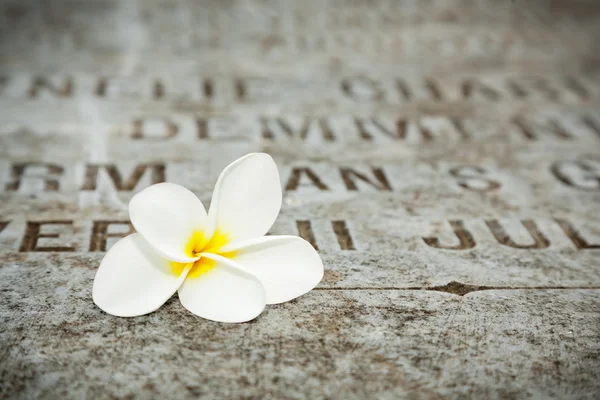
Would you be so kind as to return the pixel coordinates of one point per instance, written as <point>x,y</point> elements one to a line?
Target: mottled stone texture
<point>443,156</point>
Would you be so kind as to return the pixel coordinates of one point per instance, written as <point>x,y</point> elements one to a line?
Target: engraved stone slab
<point>442,156</point>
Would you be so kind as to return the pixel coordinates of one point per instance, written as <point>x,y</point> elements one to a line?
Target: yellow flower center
<point>198,244</point>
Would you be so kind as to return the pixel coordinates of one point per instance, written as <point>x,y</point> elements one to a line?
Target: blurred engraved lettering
<point>575,86</point>
<point>579,174</point>
<point>540,241</point>
<point>471,177</point>
<point>35,174</point>
<point>428,89</point>
<point>362,89</point>
<point>296,176</point>
<point>33,234</point>
<point>526,86</point>
<point>579,242</point>
<point>153,129</point>
<point>305,231</point>
<point>62,89</point>
<point>465,238</point>
<point>592,125</point>
<point>533,130</point>
<point>157,175</point>
<point>100,233</point>
<point>158,90</point>
<point>475,89</point>
<point>343,235</point>
<point>119,87</point>
<point>273,127</point>
<point>350,176</point>
<point>401,130</point>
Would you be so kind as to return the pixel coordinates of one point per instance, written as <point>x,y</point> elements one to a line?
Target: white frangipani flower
<point>221,264</point>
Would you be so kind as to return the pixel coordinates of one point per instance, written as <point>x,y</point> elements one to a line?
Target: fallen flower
<point>220,264</point>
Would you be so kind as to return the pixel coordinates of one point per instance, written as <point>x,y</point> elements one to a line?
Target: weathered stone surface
<point>347,343</point>
<point>443,156</point>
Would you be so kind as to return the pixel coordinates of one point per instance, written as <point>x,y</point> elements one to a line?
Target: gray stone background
<point>394,124</point>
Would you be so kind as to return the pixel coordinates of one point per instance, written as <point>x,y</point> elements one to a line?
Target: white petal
<point>133,279</point>
<point>247,197</point>
<point>168,216</point>
<point>224,293</point>
<point>287,266</point>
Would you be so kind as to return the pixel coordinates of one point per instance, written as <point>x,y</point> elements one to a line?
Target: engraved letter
<point>362,89</point>
<point>540,241</point>
<point>50,179</point>
<point>532,131</point>
<point>575,237</point>
<point>591,124</point>
<point>305,232</point>
<point>469,177</point>
<point>118,87</point>
<point>41,83</point>
<point>343,235</point>
<point>400,133</point>
<point>348,175</point>
<point>294,180</point>
<point>536,84</point>
<point>158,90</point>
<point>463,235</point>
<point>91,175</point>
<point>472,87</point>
<point>155,128</point>
<point>100,233</point>
<point>565,171</point>
<point>576,87</point>
<point>301,133</point>
<point>431,88</point>
<point>32,234</point>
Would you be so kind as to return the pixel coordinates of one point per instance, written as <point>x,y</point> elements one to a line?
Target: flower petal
<point>247,198</point>
<point>168,216</point>
<point>224,292</point>
<point>287,266</point>
<point>133,279</point>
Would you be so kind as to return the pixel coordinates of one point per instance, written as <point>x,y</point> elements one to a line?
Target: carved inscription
<point>349,176</point>
<point>49,177</point>
<point>305,231</point>
<point>157,175</point>
<point>360,89</point>
<point>343,235</point>
<point>425,129</point>
<point>366,89</point>
<point>269,127</point>
<point>579,174</point>
<point>103,230</point>
<point>533,131</point>
<point>399,132</point>
<point>33,234</point>
<point>465,238</point>
<point>575,237</point>
<point>472,177</point>
<point>296,177</point>
<point>100,233</point>
<point>540,241</point>
<point>38,84</point>
<point>153,128</point>
<point>592,125</point>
